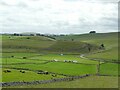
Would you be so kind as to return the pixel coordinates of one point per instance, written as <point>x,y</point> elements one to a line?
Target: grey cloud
<point>107,1</point>
<point>60,24</point>
<point>25,19</point>
<point>20,4</point>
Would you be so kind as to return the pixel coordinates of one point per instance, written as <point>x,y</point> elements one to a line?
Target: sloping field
<point>25,44</point>
<point>109,39</point>
<point>43,44</point>
<point>61,68</point>
<point>111,54</point>
<point>72,47</point>
<point>16,75</point>
<point>109,69</point>
<point>89,82</point>
<point>39,53</point>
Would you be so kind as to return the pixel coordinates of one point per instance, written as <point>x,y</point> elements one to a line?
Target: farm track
<point>47,61</point>
<point>101,60</point>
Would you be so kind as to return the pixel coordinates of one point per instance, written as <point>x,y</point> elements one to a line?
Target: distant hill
<point>82,43</point>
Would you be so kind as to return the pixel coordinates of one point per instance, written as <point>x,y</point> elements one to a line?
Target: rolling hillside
<point>44,44</point>
<point>110,41</point>
<point>27,58</point>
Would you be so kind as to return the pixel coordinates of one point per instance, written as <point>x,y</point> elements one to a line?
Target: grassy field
<point>39,53</point>
<point>108,39</point>
<point>64,57</point>
<point>93,81</point>
<point>19,55</point>
<point>61,68</point>
<point>43,44</point>
<point>25,43</point>
<point>16,61</point>
<point>109,69</point>
<point>16,75</point>
<point>111,54</point>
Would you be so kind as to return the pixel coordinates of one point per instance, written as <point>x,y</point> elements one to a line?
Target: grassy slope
<point>89,82</point>
<point>19,55</point>
<point>15,60</point>
<point>110,41</point>
<point>62,68</point>
<point>22,44</point>
<point>42,44</point>
<point>111,54</point>
<point>64,57</point>
<point>71,47</point>
<point>109,69</point>
<point>16,75</point>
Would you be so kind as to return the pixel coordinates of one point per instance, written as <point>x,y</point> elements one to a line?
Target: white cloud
<point>58,16</point>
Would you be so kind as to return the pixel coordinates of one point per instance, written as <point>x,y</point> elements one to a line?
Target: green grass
<point>36,38</point>
<point>89,82</point>
<point>109,69</point>
<point>0,73</point>
<point>16,75</point>
<point>64,57</point>
<point>34,58</point>
<point>45,49</point>
<point>108,39</point>
<point>22,44</point>
<point>43,44</point>
<point>71,47</point>
<point>15,60</point>
<point>62,68</point>
<point>19,55</point>
<point>111,54</point>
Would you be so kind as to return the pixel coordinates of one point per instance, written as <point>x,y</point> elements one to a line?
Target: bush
<point>92,32</point>
<point>28,37</point>
<point>12,56</point>
<point>24,57</point>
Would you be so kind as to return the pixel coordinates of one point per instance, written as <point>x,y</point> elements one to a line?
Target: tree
<point>72,39</point>
<point>92,32</point>
<point>102,45</point>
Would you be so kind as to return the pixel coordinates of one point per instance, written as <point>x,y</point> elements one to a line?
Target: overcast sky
<point>58,16</point>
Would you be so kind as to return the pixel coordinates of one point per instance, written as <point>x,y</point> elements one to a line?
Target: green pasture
<point>33,57</point>
<point>19,55</point>
<point>87,36</point>
<point>61,68</point>
<point>22,43</point>
<point>63,57</point>
<point>0,74</point>
<point>43,44</point>
<point>36,38</point>
<point>108,39</point>
<point>71,47</point>
<point>111,54</point>
<point>71,68</point>
<point>109,69</point>
<point>89,82</point>
<point>0,37</point>
<point>16,61</point>
<point>16,75</point>
<point>40,53</point>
